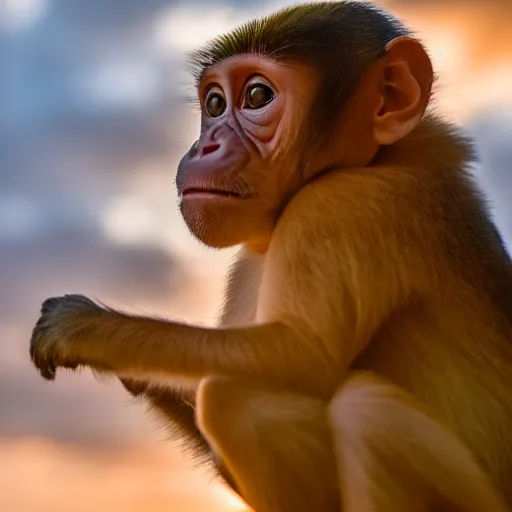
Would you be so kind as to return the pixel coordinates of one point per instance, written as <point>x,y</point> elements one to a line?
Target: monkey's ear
<point>407,77</point>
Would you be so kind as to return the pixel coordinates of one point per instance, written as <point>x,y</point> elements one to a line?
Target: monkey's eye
<point>215,104</point>
<point>258,95</point>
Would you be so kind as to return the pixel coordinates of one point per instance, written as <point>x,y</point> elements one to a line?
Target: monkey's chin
<point>222,222</point>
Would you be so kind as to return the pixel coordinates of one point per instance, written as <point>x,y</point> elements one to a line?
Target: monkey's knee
<point>361,397</point>
<point>219,402</point>
<point>380,432</point>
<point>229,407</point>
<point>258,432</point>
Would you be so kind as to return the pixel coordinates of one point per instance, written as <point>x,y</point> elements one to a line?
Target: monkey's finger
<point>46,369</point>
<point>34,352</point>
<point>49,372</point>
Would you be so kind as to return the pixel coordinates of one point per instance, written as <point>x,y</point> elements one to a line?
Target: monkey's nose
<point>209,148</point>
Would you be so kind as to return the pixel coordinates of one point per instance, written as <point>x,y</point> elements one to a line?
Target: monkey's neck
<point>434,142</point>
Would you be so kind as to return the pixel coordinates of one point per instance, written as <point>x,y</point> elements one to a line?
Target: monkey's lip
<point>207,192</point>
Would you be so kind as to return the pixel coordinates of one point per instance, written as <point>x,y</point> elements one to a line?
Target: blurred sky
<point>92,124</point>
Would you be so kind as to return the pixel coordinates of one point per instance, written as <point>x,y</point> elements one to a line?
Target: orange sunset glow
<point>95,123</point>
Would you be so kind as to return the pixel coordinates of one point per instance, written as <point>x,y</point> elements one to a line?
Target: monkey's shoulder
<point>434,213</point>
<point>354,196</point>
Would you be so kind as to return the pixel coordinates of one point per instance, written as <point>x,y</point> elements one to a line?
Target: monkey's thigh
<point>276,445</point>
<point>394,454</point>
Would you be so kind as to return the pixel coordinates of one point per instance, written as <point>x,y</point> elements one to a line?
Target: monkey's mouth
<point>208,192</point>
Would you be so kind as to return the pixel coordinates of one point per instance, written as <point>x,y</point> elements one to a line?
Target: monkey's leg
<point>276,445</point>
<point>394,455</point>
<point>177,408</point>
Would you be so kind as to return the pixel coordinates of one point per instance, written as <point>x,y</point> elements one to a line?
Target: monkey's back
<point>451,344</point>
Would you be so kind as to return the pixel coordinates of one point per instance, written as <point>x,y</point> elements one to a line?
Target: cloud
<point>38,475</point>
<point>19,15</point>
<point>92,132</point>
<point>493,133</point>
<point>75,260</point>
<point>77,408</point>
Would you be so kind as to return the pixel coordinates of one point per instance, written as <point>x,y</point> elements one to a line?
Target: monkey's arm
<point>74,330</point>
<point>239,308</point>
<point>318,307</point>
<point>176,407</point>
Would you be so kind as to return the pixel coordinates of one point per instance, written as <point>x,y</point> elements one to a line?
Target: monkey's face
<point>255,150</point>
<point>235,178</point>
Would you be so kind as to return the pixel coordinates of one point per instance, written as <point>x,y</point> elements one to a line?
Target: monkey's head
<point>309,89</point>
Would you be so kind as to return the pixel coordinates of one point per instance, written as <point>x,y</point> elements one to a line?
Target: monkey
<point>362,358</point>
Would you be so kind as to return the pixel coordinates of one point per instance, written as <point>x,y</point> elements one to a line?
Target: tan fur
<point>430,329</point>
<point>383,261</point>
<point>394,454</point>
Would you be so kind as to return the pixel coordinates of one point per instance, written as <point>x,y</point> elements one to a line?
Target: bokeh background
<point>93,121</point>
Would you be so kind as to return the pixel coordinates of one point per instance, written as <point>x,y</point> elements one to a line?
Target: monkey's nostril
<point>193,150</point>
<point>210,148</point>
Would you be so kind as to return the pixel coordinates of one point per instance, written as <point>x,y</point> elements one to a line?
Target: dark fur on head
<point>339,39</point>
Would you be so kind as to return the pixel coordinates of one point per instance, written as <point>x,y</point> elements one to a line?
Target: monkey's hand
<point>60,332</point>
